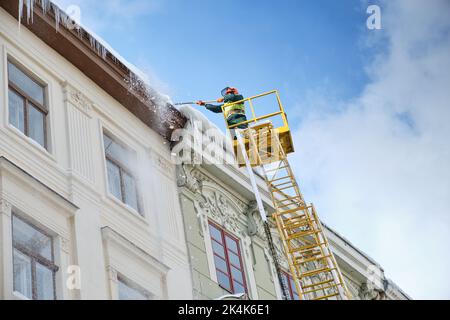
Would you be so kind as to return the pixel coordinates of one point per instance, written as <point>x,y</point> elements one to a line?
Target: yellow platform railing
<point>255,118</point>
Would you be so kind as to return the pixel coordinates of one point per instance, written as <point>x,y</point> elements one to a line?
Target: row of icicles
<point>134,83</point>
<point>61,18</point>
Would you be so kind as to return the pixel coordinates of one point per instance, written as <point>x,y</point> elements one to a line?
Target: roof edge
<point>102,67</point>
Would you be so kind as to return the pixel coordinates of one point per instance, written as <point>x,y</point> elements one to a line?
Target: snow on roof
<point>198,121</point>
<point>137,78</point>
<point>195,115</point>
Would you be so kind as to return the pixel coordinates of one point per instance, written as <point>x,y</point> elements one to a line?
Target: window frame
<point>224,234</point>
<point>292,290</point>
<point>35,257</point>
<point>29,100</point>
<point>122,169</point>
<point>132,285</point>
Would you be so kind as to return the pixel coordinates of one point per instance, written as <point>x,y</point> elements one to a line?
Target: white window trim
<point>9,54</point>
<point>111,240</point>
<point>6,214</point>
<point>247,268</point>
<point>131,284</point>
<point>142,216</point>
<point>10,205</point>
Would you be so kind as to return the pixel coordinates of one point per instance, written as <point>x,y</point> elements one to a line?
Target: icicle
<point>57,17</point>
<point>27,3</point>
<point>20,11</point>
<point>46,4</point>
<point>98,47</point>
<point>135,84</point>
<point>30,10</point>
<point>65,20</point>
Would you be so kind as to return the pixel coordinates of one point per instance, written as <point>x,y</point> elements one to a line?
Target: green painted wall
<point>204,287</point>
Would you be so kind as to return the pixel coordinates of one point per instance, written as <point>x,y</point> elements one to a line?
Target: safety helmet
<point>229,90</point>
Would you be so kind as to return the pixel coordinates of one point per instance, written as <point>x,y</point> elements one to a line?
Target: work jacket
<point>230,111</point>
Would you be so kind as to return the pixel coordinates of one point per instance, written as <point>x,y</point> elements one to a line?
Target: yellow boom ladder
<point>311,262</point>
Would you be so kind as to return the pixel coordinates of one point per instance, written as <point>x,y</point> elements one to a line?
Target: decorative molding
<point>255,225</point>
<point>353,288</point>
<point>202,218</point>
<point>65,245</point>
<point>368,292</point>
<point>213,202</point>
<point>246,242</point>
<point>6,166</point>
<point>112,274</point>
<point>5,207</point>
<point>200,176</point>
<point>195,173</point>
<point>218,209</point>
<point>112,238</point>
<point>187,179</point>
<point>81,152</point>
<point>78,99</point>
<point>162,164</point>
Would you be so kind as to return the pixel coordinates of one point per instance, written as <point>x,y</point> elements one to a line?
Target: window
<point>33,259</point>
<point>121,180</point>
<point>128,291</point>
<point>290,286</point>
<point>27,110</point>
<point>228,261</point>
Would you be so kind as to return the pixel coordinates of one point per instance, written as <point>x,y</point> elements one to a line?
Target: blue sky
<point>369,109</point>
<point>197,47</point>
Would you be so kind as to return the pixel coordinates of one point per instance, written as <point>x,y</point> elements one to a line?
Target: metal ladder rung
<point>335,285</point>
<point>314,272</point>
<point>282,213</point>
<point>302,234</point>
<point>297,224</point>
<point>311,259</point>
<point>327,296</point>
<point>280,168</point>
<point>285,188</point>
<point>299,219</point>
<point>278,179</point>
<point>306,248</point>
<point>277,186</point>
<point>289,199</point>
<point>317,284</point>
<point>312,255</point>
<point>293,219</point>
<point>299,203</point>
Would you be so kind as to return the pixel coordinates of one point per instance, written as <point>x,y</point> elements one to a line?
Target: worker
<point>235,113</point>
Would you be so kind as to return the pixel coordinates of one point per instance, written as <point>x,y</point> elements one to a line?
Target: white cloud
<point>379,168</point>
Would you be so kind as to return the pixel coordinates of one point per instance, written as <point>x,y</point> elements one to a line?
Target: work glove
<point>200,103</point>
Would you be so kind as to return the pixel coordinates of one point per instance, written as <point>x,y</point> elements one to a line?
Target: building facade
<point>94,203</point>
<point>87,188</point>
<point>220,213</point>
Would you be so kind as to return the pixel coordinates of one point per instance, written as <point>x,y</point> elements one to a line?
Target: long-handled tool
<point>193,102</point>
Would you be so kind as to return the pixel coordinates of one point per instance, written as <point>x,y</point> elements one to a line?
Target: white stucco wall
<point>74,167</point>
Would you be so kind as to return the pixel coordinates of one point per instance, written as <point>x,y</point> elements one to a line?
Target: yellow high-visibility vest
<point>234,109</point>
